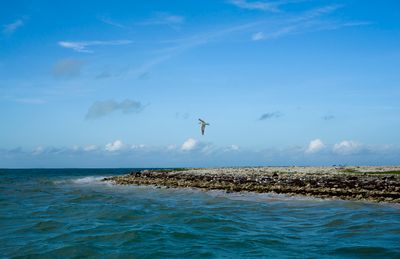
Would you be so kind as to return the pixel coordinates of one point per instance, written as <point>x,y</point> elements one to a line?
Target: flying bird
<point>203,126</point>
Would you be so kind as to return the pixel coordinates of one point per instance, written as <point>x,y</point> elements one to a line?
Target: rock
<point>319,182</point>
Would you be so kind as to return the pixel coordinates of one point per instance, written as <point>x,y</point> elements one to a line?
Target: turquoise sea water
<point>71,213</point>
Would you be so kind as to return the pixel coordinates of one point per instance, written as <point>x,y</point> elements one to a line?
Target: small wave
<point>89,180</point>
<point>261,197</point>
<point>48,225</point>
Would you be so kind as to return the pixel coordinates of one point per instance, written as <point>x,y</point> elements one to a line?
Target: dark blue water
<point>70,213</point>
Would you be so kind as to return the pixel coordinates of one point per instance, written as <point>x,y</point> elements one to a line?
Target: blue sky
<point>123,83</point>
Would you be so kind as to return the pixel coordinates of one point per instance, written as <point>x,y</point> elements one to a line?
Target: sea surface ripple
<point>48,213</point>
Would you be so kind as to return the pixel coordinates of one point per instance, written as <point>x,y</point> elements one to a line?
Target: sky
<point>123,83</point>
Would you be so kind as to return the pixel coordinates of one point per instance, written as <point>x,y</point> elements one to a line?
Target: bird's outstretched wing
<point>202,121</point>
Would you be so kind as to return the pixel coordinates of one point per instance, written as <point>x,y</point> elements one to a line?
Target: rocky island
<point>371,183</point>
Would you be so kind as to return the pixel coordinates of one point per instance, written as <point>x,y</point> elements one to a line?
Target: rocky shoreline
<point>379,184</point>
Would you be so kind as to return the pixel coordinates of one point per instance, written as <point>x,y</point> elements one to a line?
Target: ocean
<point>71,213</point>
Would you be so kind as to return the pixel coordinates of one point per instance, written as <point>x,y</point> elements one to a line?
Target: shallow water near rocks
<point>72,213</point>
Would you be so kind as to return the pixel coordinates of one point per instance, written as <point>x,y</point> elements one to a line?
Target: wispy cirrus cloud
<point>277,33</point>
<point>10,28</point>
<point>143,70</point>
<point>111,22</point>
<point>23,99</point>
<point>30,100</point>
<point>161,18</point>
<point>309,21</point>
<point>185,44</point>
<point>102,108</point>
<point>305,22</point>
<point>256,5</point>
<point>83,46</point>
<point>258,36</point>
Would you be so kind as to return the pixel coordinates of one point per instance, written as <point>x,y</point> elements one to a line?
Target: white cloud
<point>257,36</point>
<point>10,28</point>
<point>38,150</point>
<point>189,144</point>
<point>140,146</point>
<point>347,147</point>
<point>114,146</point>
<point>171,147</point>
<point>315,146</point>
<point>82,46</point>
<point>232,148</point>
<point>256,5</point>
<point>90,148</point>
<point>202,155</point>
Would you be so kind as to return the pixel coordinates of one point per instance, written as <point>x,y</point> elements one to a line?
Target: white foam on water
<point>89,180</point>
<point>262,197</point>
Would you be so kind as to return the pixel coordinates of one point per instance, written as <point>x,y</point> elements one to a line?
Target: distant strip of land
<point>371,183</point>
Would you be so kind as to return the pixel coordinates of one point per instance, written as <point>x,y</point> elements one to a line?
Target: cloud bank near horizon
<point>193,152</point>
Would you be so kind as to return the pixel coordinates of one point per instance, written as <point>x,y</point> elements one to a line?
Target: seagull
<point>203,125</point>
